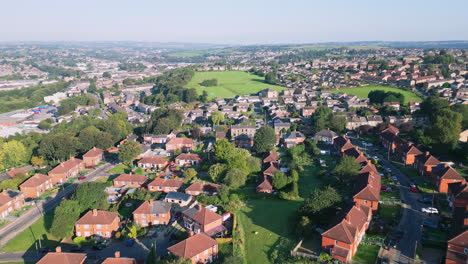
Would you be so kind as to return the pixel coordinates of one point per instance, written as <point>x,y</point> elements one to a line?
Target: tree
<point>216,171</point>
<point>294,176</point>
<point>347,169</point>
<point>235,178</point>
<point>204,97</point>
<point>106,75</point>
<point>190,174</point>
<point>280,180</point>
<point>433,105</point>
<point>445,130</point>
<point>65,217</point>
<point>271,78</point>
<point>12,154</point>
<point>151,258</point>
<point>320,118</point>
<point>59,147</point>
<point>222,150</point>
<point>232,260</point>
<point>37,161</point>
<point>128,151</point>
<point>321,204</point>
<point>45,124</point>
<point>264,139</point>
<point>223,193</point>
<point>139,171</point>
<point>91,195</point>
<point>338,123</point>
<point>254,164</point>
<point>217,118</point>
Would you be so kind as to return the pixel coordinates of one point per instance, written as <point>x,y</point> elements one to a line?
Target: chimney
<point>348,219</point>
<point>358,205</point>
<point>446,165</point>
<point>427,153</point>
<point>151,202</point>
<point>117,254</point>
<point>58,249</point>
<point>95,212</point>
<point>369,162</point>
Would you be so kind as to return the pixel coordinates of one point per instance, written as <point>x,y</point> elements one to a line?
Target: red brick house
<point>457,249</point>
<point>119,260</point>
<point>153,213</point>
<point>188,159</point>
<point>457,195</point>
<point>10,201</point>
<point>59,257</point>
<point>198,188</point>
<point>264,184</point>
<point>369,167</point>
<point>388,141</point>
<point>341,144</point>
<point>355,153</point>
<point>97,222</point>
<point>367,189</point>
<point>130,180</point>
<point>270,170</point>
<point>199,248</point>
<point>93,157</point>
<point>293,138</point>
<point>342,240</point>
<point>165,185</point>
<point>443,174</point>
<point>407,153</point>
<point>152,163</point>
<point>424,163</point>
<point>66,170</point>
<point>184,144</point>
<point>199,219</point>
<point>36,185</point>
<point>273,156</point>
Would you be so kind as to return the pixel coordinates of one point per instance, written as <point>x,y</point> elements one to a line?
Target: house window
<point>86,226</point>
<point>197,257</point>
<point>99,226</point>
<point>206,252</point>
<point>99,233</point>
<point>78,233</point>
<point>156,215</point>
<point>466,250</point>
<point>336,242</point>
<point>143,215</point>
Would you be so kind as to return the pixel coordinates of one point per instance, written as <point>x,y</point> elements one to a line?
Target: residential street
<point>26,219</point>
<point>411,219</point>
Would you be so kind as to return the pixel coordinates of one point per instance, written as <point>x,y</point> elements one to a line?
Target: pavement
<point>25,220</point>
<point>411,218</point>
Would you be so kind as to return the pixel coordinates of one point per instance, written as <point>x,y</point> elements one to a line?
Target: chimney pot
<point>95,212</point>
<point>117,254</point>
<point>358,205</point>
<point>348,219</point>
<point>427,153</point>
<point>58,249</point>
<point>151,202</point>
<point>445,165</point>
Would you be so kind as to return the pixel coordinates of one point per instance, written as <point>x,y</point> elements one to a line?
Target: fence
<point>295,253</point>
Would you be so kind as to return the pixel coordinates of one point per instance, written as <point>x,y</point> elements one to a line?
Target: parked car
<point>45,250</point>
<point>383,188</point>
<point>429,223</point>
<point>98,247</point>
<point>425,200</point>
<point>412,185</point>
<point>376,158</point>
<point>388,170</point>
<point>414,190</point>
<point>430,210</point>
<point>82,178</point>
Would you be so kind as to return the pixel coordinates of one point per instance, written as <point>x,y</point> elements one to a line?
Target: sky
<point>234,22</point>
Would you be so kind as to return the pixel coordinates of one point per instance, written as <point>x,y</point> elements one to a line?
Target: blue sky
<point>234,22</point>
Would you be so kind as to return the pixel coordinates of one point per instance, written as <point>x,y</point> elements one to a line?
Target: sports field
<point>362,92</point>
<point>230,83</point>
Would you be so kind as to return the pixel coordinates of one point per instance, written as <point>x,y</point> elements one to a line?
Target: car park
<point>430,210</point>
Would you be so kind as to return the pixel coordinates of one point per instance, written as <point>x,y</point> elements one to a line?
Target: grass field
<point>271,219</point>
<point>230,83</point>
<point>362,92</point>
<point>27,239</point>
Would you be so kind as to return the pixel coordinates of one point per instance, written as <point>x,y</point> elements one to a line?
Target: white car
<point>430,210</point>
<point>376,158</point>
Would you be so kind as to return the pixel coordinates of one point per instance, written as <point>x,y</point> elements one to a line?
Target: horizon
<point>241,23</point>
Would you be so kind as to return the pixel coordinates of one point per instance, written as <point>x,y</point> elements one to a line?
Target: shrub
<point>78,240</point>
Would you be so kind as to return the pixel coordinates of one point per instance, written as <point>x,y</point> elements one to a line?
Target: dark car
<point>98,247</point>
<point>425,200</point>
<point>77,249</point>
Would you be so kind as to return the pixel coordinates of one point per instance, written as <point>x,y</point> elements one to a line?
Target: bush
<point>118,235</point>
<point>78,240</point>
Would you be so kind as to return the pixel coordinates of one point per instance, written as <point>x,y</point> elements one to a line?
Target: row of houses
<point>341,240</point>
<point>59,257</point>
<point>446,179</point>
<point>38,184</point>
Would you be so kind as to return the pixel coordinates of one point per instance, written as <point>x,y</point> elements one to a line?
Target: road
<point>12,229</point>
<point>411,217</point>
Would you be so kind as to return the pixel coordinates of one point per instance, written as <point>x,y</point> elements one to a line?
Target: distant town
<point>320,153</point>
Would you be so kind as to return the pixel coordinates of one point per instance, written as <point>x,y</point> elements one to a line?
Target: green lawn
<point>26,240</point>
<point>230,83</point>
<point>272,219</point>
<point>366,254</point>
<point>362,92</point>
<point>120,169</point>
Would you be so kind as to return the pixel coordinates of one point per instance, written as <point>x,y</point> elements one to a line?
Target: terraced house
<point>93,157</point>
<point>199,219</point>
<point>36,185</point>
<point>10,200</point>
<point>130,180</point>
<point>199,248</point>
<point>66,170</point>
<point>165,185</point>
<point>97,222</point>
